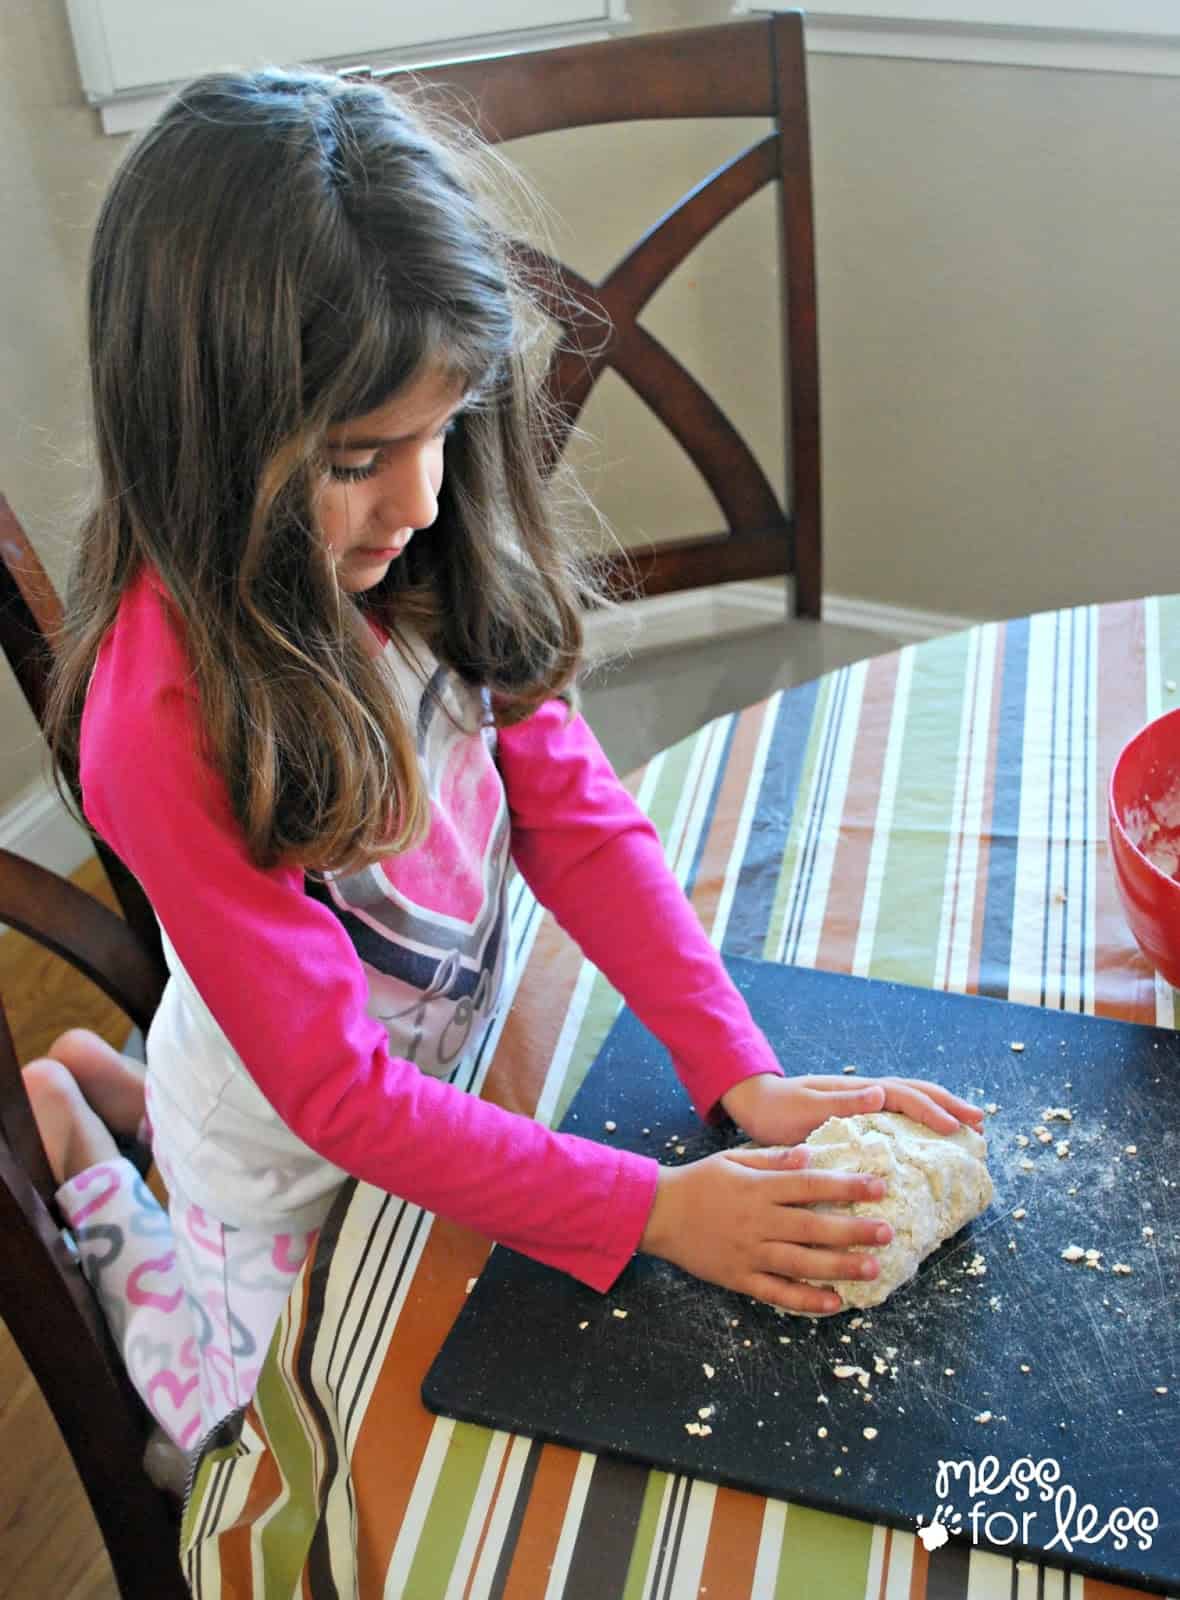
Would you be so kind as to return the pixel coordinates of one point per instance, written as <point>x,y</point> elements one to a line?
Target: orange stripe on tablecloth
<point>713,863</point>
<point>1096,1589</point>
<point>986,813</point>
<point>396,1429</point>
<point>850,868</point>
<point>540,1527</point>
<point>886,1555</point>
<point>1124,982</point>
<point>234,1544</point>
<point>731,1553</point>
<point>919,1571</point>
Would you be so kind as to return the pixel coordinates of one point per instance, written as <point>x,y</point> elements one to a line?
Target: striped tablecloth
<point>935,816</point>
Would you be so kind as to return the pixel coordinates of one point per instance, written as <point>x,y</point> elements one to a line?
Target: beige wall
<point>998,250</point>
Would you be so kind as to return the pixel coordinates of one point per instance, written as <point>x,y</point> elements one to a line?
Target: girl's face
<point>384,473</point>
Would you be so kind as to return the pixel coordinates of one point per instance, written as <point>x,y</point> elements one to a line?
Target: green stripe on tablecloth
<point>645,1535</point>
<point>662,804</point>
<point>782,891</point>
<point>450,1506</point>
<point>285,1537</point>
<point>913,886</point>
<point>824,1555</point>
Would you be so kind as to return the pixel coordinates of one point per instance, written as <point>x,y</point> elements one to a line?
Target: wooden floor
<point>49,1545</point>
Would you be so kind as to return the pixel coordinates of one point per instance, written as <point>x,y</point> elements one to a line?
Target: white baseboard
<point>38,826</point>
<point>671,619</point>
<point>907,625</point>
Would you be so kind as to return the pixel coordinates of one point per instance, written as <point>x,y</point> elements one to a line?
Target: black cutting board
<point>1098,1346</point>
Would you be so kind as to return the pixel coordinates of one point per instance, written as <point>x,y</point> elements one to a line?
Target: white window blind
<point>131,52</point>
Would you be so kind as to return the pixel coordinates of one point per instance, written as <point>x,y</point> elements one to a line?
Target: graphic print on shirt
<point>429,925</point>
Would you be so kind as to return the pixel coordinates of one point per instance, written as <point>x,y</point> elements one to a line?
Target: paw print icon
<point>935,1533</point>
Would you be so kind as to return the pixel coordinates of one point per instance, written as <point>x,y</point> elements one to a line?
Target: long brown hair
<point>280,252</point>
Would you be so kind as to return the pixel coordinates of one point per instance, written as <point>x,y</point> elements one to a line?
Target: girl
<point>315,691</point>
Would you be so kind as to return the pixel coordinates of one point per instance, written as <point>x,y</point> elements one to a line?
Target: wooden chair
<point>44,1298</point>
<point>30,625</point>
<point>754,68</point>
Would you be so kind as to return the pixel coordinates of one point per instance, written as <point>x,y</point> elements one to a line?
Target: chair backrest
<point>754,68</point>
<point>44,1299</point>
<point>30,625</point>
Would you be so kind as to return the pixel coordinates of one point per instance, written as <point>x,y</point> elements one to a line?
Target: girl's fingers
<point>916,1103</point>
<point>803,1261</point>
<point>833,1229</point>
<point>944,1100</point>
<point>807,1188</point>
<point>850,1099</point>
<point>828,1080</point>
<point>962,1109</point>
<point>789,1296</point>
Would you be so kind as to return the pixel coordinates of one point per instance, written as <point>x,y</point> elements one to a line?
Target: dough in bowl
<point>937,1183</point>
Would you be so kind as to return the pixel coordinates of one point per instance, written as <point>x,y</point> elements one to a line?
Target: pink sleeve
<point>592,858</point>
<point>280,975</point>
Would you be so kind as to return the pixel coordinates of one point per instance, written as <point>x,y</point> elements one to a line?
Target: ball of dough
<point>937,1183</point>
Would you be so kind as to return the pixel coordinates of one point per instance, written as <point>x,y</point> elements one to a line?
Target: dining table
<point>934,816</point>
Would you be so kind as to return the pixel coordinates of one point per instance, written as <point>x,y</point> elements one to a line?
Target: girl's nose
<point>410,499</point>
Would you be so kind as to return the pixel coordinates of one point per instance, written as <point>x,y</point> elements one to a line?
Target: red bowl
<point>1144,816</point>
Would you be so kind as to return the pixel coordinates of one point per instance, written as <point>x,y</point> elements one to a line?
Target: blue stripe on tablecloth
<point>1053,766</point>
<point>753,902</point>
<point>996,954</point>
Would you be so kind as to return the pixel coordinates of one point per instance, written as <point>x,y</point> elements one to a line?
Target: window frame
<point>1125,36</point>
<point>126,103</point>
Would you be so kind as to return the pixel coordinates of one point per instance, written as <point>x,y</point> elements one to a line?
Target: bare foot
<point>112,1083</point>
<point>73,1136</point>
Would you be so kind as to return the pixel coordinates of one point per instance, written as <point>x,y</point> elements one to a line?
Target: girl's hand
<point>741,1219</point>
<point>776,1110</point>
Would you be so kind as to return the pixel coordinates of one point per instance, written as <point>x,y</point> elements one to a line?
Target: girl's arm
<point>283,981</point>
<point>592,858</point>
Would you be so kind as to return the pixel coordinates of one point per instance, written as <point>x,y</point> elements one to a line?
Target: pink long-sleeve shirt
<point>289,1050</point>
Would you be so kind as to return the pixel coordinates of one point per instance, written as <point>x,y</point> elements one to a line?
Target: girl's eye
<point>353,474</point>
<point>342,474</point>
